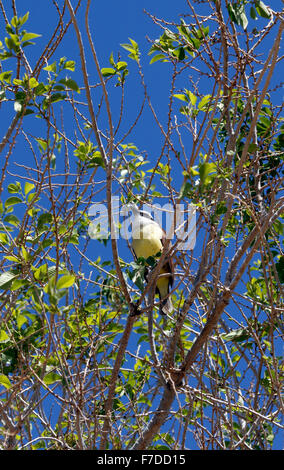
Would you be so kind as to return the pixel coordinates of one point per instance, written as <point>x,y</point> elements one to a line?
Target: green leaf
<point>6,76</point>
<point>29,36</point>
<point>192,97</point>
<point>12,219</point>
<point>252,148</point>
<point>42,144</point>
<point>253,14</point>
<point>133,49</point>
<point>12,43</point>
<point>243,20</point>
<point>121,65</point>
<point>221,208</point>
<point>18,283</point>
<point>59,88</point>
<point>111,59</point>
<point>12,200</point>
<point>238,335</point>
<point>27,43</point>
<point>40,273</point>
<point>51,378</point>
<point>21,320</point>
<point>28,111</point>
<point>137,275</point>
<point>4,380</point>
<point>40,89</point>
<point>17,82</point>
<point>68,82</point>
<point>280,269</point>
<point>96,160</point>
<point>45,218</point>
<point>205,169</point>
<point>195,42</point>
<point>185,190</point>
<point>158,57</point>
<point>205,30</point>
<point>4,238</point>
<point>9,29</point>
<point>183,29</point>
<point>180,53</point>
<point>14,188</point>
<point>4,338</point>
<point>56,97</point>
<point>278,227</point>
<point>202,105</point>
<point>51,68</point>
<point>69,65</point>
<point>24,18</point>
<point>65,281</point>
<point>6,278</point>
<point>14,21</point>
<point>108,71</point>
<point>31,197</point>
<point>20,95</point>
<point>181,97</point>
<point>12,258</point>
<point>28,187</point>
<point>262,9</point>
<point>237,14</point>
<point>25,254</point>
<point>33,83</point>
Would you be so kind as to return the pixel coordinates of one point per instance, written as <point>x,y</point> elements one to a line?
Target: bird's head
<point>136,212</point>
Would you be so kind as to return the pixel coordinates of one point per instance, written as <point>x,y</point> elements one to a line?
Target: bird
<point>148,239</point>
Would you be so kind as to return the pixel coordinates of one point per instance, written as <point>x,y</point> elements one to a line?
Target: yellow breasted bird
<point>148,239</point>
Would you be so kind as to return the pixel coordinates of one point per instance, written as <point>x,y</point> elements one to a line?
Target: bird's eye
<point>147,215</point>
